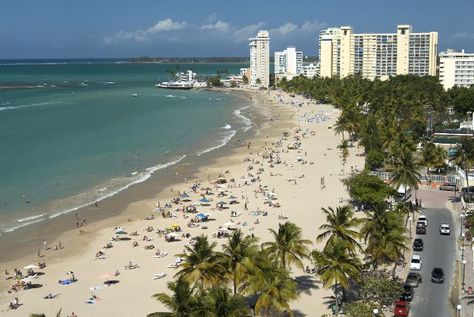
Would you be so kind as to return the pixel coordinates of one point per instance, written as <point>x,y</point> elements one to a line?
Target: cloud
<point>285,29</point>
<point>244,33</point>
<point>167,25</point>
<point>312,26</point>
<point>463,36</point>
<point>219,26</point>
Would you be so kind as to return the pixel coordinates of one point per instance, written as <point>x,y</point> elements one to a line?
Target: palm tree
<point>464,157</point>
<point>432,156</point>
<point>288,247</point>
<point>222,304</point>
<point>182,303</point>
<point>406,173</point>
<point>336,266</point>
<point>384,235</point>
<point>239,253</point>
<point>340,227</point>
<point>201,264</point>
<point>58,314</point>
<point>273,286</point>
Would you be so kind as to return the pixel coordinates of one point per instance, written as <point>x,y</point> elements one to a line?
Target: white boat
<point>135,95</point>
<point>186,80</point>
<point>175,85</point>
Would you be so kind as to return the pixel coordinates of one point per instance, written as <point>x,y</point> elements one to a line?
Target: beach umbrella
<point>222,203</point>
<point>204,200</point>
<point>201,216</point>
<point>31,266</point>
<point>232,197</point>
<point>184,195</point>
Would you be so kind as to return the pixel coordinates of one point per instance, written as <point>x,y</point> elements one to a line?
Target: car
<point>415,263</point>
<point>465,189</point>
<point>408,293</point>
<point>418,245</point>
<point>444,229</point>
<point>449,187</point>
<point>437,275</point>
<point>420,228</point>
<point>401,309</point>
<point>422,218</point>
<point>413,279</point>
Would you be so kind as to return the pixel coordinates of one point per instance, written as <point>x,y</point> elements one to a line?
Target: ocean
<point>71,133</point>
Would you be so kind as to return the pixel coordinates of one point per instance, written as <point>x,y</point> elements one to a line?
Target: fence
<point>425,179</point>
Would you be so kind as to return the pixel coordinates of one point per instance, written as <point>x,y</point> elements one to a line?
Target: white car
<point>444,229</point>
<point>415,263</point>
<point>422,218</point>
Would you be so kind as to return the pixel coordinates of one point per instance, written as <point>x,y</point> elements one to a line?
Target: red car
<point>402,309</point>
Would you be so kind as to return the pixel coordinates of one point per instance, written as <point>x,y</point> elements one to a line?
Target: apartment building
<point>456,69</point>
<point>377,55</point>
<point>260,59</point>
<point>288,63</point>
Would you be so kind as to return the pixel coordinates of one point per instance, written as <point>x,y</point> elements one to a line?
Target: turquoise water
<point>72,133</point>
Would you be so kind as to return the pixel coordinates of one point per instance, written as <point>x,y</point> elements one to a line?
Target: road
<point>431,299</point>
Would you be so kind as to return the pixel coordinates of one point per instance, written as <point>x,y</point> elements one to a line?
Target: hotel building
<point>380,55</point>
<point>456,69</point>
<point>260,59</point>
<point>288,63</point>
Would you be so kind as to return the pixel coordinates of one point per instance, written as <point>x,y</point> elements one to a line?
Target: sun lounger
<point>66,281</point>
<point>158,276</point>
<point>50,295</point>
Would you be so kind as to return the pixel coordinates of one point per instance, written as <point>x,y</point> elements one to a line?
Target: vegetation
<point>464,158</point>
<point>368,190</point>
<point>214,81</point>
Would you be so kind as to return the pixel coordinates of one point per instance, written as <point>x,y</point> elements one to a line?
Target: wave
<point>223,142</point>
<point>170,96</point>
<point>107,82</point>
<point>91,197</point>
<point>29,105</point>
<point>227,126</point>
<point>245,120</point>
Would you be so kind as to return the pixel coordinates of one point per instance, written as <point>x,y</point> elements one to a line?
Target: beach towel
<point>66,282</point>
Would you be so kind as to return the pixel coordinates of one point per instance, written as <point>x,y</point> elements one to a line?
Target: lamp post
<point>458,307</point>
<point>463,276</point>
<point>463,215</point>
<point>376,312</point>
<point>462,246</point>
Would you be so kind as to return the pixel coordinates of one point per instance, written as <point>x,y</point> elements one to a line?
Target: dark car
<point>449,187</point>
<point>437,275</point>
<point>418,245</point>
<point>401,309</point>
<point>408,293</point>
<point>413,279</point>
<point>420,228</point>
<point>465,189</point>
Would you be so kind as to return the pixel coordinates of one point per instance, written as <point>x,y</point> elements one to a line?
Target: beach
<point>293,155</point>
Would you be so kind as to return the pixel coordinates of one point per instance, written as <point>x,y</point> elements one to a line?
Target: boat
<point>135,94</point>
<point>186,80</point>
<point>175,85</point>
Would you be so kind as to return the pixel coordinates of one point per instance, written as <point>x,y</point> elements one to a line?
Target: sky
<point>208,28</point>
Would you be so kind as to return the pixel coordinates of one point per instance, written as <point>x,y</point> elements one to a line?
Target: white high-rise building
<point>456,69</point>
<point>288,63</point>
<point>378,55</point>
<point>311,70</point>
<point>260,59</point>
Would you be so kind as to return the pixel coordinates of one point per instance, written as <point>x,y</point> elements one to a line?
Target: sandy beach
<point>289,170</point>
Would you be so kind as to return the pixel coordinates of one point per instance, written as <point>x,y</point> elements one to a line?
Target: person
<point>45,244</point>
<point>72,315</point>
<point>7,275</point>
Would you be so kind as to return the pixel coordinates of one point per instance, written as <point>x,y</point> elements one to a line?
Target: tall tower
<point>260,59</point>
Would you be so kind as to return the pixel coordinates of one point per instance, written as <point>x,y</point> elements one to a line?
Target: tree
<point>239,253</point>
<point>214,81</point>
<point>289,247</point>
<point>379,288</point>
<point>368,190</point>
<point>432,156</point>
<point>340,228</point>
<point>464,158</point>
<point>406,173</point>
<point>344,147</point>
<point>245,79</point>
<point>182,303</point>
<point>202,265</point>
<point>273,286</point>
<point>384,236</point>
<point>336,266</point>
<point>362,309</point>
<point>222,303</point>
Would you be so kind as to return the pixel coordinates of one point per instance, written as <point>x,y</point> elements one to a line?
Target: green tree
<point>239,253</point>
<point>288,246</point>
<point>245,79</point>
<point>432,156</point>
<point>377,287</point>
<point>340,228</point>
<point>336,266</point>
<point>406,173</point>
<point>464,157</point>
<point>362,309</point>
<point>222,303</point>
<point>201,264</point>
<point>369,190</point>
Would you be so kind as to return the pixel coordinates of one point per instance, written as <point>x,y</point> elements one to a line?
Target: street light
<point>462,245</point>
<point>463,275</point>
<point>459,307</point>
<point>462,223</point>
<point>376,312</point>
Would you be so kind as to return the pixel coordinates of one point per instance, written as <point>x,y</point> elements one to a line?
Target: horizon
<point>147,28</point>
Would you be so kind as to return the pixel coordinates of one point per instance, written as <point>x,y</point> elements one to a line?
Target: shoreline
<point>300,204</point>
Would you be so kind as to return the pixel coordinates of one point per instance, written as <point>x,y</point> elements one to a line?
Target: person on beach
<point>45,245</point>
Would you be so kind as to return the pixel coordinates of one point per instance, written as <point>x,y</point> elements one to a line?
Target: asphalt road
<point>431,299</point>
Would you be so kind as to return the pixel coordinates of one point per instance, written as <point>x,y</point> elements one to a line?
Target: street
<point>431,299</point>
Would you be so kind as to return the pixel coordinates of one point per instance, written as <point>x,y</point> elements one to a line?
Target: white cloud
<point>285,29</point>
<point>464,35</point>
<point>219,26</point>
<point>312,26</point>
<point>244,33</point>
<point>167,25</point>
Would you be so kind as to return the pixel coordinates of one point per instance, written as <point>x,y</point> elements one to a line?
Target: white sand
<point>301,203</point>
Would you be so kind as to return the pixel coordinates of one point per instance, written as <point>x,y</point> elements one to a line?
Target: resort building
<point>379,55</point>
<point>260,59</point>
<point>288,63</point>
<point>456,69</point>
<point>311,70</point>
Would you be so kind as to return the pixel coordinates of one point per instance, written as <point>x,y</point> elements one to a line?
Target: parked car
<point>408,293</point>
<point>422,218</point>
<point>449,187</point>
<point>402,308</point>
<point>413,279</point>
<point>415,263</point>
<point>437,275</point>
<point>471,189</point>
<point>420,228</point>
<point>444,229</point>
<point>418,245</point>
